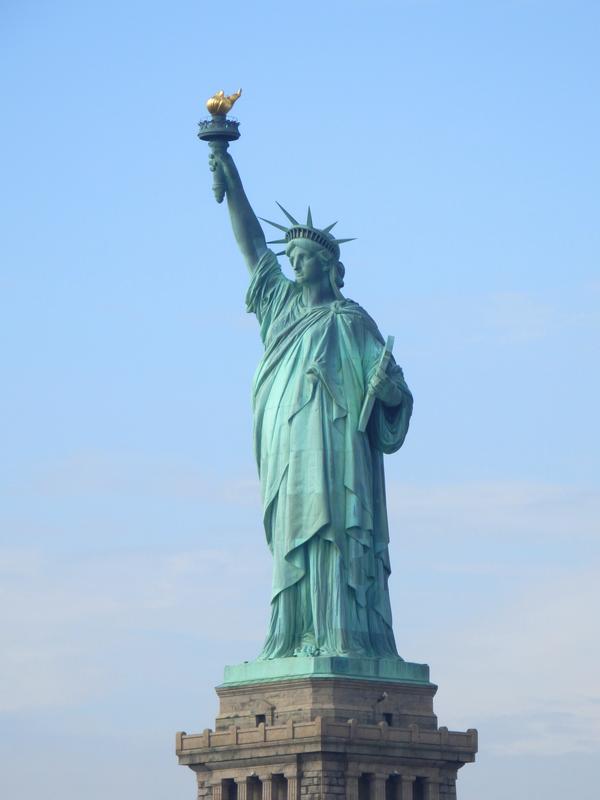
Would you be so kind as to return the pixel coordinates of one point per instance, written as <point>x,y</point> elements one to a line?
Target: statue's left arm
<point>391,413</point>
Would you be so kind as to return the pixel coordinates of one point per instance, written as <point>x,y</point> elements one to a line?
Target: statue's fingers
<point>381,380</point>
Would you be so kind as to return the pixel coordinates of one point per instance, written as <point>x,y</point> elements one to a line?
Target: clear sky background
<point>459,141</point>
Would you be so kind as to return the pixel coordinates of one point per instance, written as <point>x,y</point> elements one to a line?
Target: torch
<point>218,131</point>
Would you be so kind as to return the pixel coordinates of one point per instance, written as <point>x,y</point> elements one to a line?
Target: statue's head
<point>316,248</point>
<point>312,263</point>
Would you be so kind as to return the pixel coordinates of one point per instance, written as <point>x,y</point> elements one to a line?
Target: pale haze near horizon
<point>459,142</point>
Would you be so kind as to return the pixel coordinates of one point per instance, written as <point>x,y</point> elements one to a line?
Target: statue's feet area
<point>310,650</point>
<point>307,650</point>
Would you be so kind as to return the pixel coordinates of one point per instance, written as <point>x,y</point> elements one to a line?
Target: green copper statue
<point>321,475</point>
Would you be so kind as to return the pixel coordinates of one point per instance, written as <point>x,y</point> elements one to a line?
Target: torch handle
<point>219,183</point>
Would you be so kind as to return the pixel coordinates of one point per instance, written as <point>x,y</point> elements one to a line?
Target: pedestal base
<point>386,669</point>
<point>326,737</point>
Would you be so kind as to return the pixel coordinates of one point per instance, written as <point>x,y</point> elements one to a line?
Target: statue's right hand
<point>222,162</point>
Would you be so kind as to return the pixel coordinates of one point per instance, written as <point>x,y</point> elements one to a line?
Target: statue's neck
<point>317,294</point>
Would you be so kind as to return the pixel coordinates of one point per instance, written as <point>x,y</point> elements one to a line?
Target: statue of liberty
<point>321,473</point>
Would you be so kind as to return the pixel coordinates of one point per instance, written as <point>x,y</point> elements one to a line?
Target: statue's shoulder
<point>359,316</point>
<point>348,306</point>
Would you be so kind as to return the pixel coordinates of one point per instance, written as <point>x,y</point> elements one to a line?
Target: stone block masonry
<point>326,739</point>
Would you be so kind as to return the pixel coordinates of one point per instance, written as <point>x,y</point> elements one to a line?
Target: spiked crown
<point>299,230</point>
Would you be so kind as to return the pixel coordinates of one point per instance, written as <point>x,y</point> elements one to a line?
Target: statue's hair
<point>340,271</point>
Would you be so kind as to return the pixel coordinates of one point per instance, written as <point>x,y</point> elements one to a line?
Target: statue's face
<point>306,262</point>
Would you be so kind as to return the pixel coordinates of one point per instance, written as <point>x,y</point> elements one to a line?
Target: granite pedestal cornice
<point>372,743</point>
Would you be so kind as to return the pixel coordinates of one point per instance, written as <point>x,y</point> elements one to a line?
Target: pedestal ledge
<point>376,669</point>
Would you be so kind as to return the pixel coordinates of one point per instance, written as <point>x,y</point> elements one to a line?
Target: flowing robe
<point>322,480</point>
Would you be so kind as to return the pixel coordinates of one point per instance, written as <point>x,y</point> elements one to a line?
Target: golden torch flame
<point>219,103</point>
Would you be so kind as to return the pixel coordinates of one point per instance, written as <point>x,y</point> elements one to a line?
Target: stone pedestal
<point>326,736</point>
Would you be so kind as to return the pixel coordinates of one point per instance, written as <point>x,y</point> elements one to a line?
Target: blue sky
<point>459,142</point>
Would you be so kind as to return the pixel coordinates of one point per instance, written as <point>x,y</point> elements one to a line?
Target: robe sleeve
<point>269,292</point>
<point>388,425</point>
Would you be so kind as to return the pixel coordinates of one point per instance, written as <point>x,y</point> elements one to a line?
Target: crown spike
<point>309,221</point>
<point>329,227</point>
<point>278,241</point>
<point>274,224</point>
<point>341,241</point>
<point>288,215</point>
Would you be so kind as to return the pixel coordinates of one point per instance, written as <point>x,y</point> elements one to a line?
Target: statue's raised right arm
<point>246,227</point>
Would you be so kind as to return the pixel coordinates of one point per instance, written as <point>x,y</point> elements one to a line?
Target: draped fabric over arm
<point>269,292</point>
